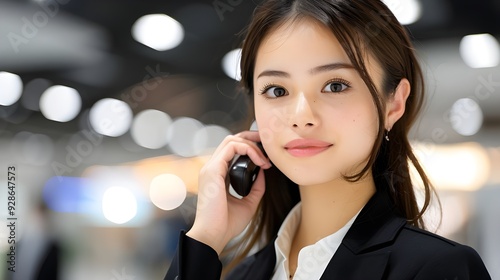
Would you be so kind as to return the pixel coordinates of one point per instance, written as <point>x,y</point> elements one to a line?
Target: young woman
<point>335,87</point>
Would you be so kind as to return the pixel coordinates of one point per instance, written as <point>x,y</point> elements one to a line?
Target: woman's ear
<point>396,103</point>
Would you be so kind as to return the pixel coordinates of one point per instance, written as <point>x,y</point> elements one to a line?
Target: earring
<point>387,135</point>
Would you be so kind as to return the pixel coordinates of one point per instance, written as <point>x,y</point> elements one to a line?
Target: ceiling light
<point>12,87</point>
<point>60,103</point>
<point>158,31</point>
<point>480,50</point>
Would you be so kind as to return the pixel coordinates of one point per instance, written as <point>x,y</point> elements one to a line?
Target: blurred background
<point>108,109</point>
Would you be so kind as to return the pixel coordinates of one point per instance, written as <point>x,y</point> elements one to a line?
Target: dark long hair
<point>363,28</point>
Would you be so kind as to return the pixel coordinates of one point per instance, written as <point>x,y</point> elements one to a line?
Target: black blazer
<point>379,245</point>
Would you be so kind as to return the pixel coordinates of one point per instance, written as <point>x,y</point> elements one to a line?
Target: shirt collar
<point>289,226</point>
<point>287,232</point>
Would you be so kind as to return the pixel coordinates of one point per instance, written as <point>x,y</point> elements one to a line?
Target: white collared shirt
<point>312,259</point>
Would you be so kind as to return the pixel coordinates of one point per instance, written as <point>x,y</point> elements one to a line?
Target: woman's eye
<point>335,87</point>
<point>275,92</point>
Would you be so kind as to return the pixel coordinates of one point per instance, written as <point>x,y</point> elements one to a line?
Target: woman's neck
<point>328,207</point>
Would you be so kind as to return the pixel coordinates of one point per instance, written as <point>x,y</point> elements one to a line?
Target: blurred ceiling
<point>88,45</point>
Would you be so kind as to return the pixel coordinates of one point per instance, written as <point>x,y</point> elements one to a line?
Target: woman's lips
<point>306,147</point>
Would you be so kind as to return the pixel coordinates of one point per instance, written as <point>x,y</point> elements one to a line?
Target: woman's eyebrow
<point>274,73</point>
<point>330,66</point>
<point>315,70</point>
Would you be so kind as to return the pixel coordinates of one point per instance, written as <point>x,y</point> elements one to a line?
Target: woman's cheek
<point>270,123</point>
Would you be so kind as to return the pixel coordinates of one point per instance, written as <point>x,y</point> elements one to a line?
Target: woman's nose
<point>303,114</point>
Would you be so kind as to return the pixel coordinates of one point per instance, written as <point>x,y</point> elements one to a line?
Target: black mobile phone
<point>243,172</point>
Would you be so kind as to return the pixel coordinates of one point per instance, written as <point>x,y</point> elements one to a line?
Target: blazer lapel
<point>361,253</point>
<point>264,263</point>
<point>346,265</point>
<point>258,266</point>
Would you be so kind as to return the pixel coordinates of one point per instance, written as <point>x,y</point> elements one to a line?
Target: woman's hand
<point>220,216</point>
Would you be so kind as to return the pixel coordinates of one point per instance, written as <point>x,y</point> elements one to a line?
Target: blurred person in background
<point>38,251</point>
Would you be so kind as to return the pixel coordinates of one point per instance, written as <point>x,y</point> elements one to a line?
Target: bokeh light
<point>466,116</point>
<point>167,191</point>
<point>231,64</point>
<point>480,50</point>
<point>406,11</point>
<point>110,117</point>
<point>60,103</point>
<point>149,128</point>
<point>158,31</point>
<point>66,194</point>
<point>119,205</point>
<point>181,136</point>
<point>209,137</point>
<point>11,88</point>
<point>463,166</point>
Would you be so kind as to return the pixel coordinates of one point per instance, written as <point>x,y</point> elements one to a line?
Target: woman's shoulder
<point>424,240</point>
<point>431,255</point>
<point>426,244</point>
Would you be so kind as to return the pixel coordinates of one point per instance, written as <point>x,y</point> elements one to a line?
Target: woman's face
<point>305,89</point>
